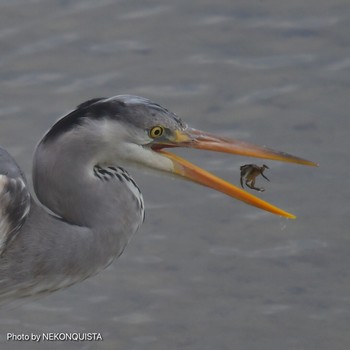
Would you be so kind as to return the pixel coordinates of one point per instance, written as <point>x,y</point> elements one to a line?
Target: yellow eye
<point>156,131</point>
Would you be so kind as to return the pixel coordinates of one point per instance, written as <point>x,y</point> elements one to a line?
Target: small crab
<point>250,172</point>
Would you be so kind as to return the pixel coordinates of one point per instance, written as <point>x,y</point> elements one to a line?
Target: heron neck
<point>65,183</point>
<point>55,254</point>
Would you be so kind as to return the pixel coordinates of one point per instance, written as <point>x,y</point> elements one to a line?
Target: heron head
<point>137,131</point>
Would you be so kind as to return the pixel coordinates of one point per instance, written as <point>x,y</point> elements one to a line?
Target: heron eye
<point>156,131</point>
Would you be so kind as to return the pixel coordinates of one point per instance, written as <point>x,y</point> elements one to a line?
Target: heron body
<point>90,206</point>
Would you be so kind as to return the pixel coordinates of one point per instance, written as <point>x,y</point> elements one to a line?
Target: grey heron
<point>90,206</point>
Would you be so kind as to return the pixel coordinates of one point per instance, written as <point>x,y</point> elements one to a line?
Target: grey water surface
<point>204,271</point>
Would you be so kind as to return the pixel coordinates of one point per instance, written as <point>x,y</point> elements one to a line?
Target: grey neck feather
<point>97,215</point>
<point>66,182</point>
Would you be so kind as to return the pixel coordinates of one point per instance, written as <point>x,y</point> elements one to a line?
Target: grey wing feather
<point>14,200</point>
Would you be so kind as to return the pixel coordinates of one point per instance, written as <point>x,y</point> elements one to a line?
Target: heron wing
<point>14,199</point>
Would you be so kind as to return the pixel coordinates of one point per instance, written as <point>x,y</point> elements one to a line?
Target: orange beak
<point>198,139</point>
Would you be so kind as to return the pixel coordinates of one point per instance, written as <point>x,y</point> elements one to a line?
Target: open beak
<point>193,138</point>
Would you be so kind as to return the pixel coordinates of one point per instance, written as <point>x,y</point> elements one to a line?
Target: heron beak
<point>193,138</point>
